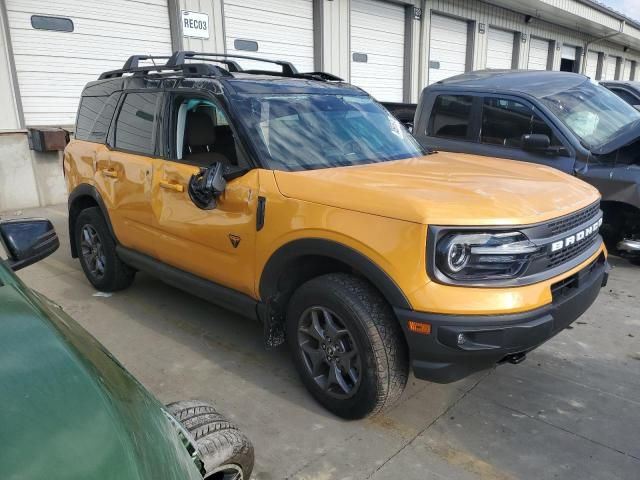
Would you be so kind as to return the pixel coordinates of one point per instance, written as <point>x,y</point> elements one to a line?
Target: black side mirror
<point>28,241</point>
<point>207,185</point>
<point>535,142</point>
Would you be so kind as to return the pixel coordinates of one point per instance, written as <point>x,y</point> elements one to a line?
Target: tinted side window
<point>450,116</point>
<point>134,127</point>
<point>626,96</point>
<point>505,121</point>
<point>94,117</point>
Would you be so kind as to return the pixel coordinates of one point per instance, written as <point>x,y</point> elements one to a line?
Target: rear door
<point>129,170</point>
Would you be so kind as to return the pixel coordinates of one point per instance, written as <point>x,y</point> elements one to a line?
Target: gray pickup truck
<point>563,120</point>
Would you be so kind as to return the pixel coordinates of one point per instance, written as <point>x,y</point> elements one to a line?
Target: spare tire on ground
<point>226,452</point>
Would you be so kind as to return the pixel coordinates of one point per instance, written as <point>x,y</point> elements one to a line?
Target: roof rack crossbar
<point>134,60</point>
<point>288,70</point>
<point>193,69</point>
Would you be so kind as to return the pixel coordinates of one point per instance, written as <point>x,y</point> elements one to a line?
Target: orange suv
<point>297,199</point>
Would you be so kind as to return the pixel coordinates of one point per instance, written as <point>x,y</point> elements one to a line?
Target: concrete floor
<point>570,411</point>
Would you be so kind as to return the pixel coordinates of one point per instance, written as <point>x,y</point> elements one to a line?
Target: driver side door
<point>217,244</point>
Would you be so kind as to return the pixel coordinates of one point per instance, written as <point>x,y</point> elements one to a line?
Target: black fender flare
<point>337,251</point>
<point>75,197</point>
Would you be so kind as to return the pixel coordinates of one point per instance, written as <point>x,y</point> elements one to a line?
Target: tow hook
<point>516,358</point>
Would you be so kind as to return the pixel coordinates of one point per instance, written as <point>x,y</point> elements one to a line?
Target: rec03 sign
<point>195,24</point>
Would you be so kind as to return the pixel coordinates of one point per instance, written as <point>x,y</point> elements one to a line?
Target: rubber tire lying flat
<point>376,332</point>
<point>117,275</point>
<point>220,443</point>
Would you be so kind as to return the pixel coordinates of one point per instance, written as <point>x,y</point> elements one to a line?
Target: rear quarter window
<point>94,117</point>
<point>450,117</point>
<point>135,123</point>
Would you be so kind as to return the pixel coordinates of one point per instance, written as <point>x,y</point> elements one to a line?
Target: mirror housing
<point>28,240</point>
<point>535,142</point>
<point>207,185</point>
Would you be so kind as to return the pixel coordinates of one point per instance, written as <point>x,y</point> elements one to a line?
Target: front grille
<point>561,289</point>
<point>561,256</point>
<point>568,222</point>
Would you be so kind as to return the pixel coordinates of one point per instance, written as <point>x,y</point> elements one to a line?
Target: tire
<point>365,382</point>
<point>225,451</point>
<point>108,273</point>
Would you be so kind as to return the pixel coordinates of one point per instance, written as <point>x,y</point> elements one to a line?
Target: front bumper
<point>460,345</point>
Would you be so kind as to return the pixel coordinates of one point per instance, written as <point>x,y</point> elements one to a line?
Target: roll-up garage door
<point>500,49</point>
<point>627,70</point>
<point>538,54</point>
<point>612,62</point>
<point>274,29</point>
<point>448,47</point>
<point>377,48</point>
<point>56,57</point>
<point>591,69</point>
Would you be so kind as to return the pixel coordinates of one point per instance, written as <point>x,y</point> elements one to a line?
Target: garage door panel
<point>500,49</point>
<point>538,54</point>
<point>53,67</point>
<point>592,64</point>
<point>447,47</point>
<point>377,30</point>
<point>611,68</point>
<point>283,30</point>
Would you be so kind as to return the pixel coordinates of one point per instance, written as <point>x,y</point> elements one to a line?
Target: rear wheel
<point>97,253</point>
<point>347,345</point>
<point>226,452</point>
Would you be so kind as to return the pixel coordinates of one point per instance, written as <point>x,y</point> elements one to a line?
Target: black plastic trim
<point>326,248</point>
<point>85,190</point>
<point>198,286</point>
<point>260,212</point>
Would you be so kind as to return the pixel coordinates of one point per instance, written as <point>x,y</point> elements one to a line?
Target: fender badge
<point>235,240</point>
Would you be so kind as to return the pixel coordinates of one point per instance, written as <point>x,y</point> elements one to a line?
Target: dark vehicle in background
<point>627,90</point>
<point>70,410</point>
<point>559,119</point>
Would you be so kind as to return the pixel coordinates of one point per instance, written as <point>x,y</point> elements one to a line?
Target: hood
<point>629,135</point>
<point>444,189</point>
<point>69,409</point>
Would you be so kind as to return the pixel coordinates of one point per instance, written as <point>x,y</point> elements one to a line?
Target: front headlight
<point>469,257</point>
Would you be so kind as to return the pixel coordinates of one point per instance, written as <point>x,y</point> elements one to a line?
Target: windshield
<point>595,114</point>
<point>306,132</point>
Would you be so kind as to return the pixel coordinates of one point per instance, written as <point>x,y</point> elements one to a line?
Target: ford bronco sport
<point>296,199</point>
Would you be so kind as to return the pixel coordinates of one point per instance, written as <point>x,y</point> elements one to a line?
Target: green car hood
<point>69,410</point>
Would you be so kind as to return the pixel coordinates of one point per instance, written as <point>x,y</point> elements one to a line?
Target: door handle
<point>176,187</point>
<point>109,172</point>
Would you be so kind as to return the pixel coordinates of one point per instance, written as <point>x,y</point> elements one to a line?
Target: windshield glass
<point>306,132</point>
<point>595,114</point>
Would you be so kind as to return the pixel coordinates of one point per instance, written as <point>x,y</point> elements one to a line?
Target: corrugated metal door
<point>274,29</point>
<point>538,54</point>
<point>627,70</point>
<point>377,48</point>
<point>448,47</point>
<point>500,49</point>
<point>591,69</point>
<point>611,68</point>
<point>53,66</point>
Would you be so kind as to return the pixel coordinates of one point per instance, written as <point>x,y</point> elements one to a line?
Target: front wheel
<point>347,345</point>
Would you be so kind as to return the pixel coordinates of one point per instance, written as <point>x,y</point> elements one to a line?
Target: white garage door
<point>500,49</point>
<point>591,69</point>
<point>377,48</point>
<point>448,48</point>
<point>538,54</point>
<point>627,70</point>
<point>53,66</point>
<point>274,29</point>
<point>611,68</point>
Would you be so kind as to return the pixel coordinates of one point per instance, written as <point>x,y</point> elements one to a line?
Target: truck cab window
<point>203,134</point>
<point>504,122</point>
<point>450,117</point>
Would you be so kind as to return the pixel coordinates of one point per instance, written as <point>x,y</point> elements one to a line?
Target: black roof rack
<point>177,63</point>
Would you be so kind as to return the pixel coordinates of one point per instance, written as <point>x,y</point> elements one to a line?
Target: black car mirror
<point>535,142</point>
<point>207,185</point>
<point>27,241</point>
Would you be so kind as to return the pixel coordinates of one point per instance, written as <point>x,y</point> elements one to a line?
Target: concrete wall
<point>28,178</point>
